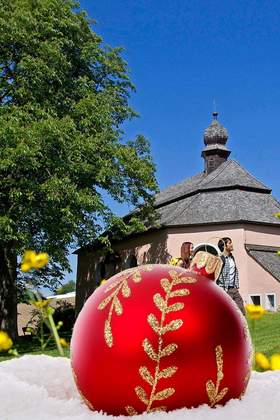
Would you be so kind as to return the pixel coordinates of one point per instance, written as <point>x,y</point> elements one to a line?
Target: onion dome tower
<point>215,152</point>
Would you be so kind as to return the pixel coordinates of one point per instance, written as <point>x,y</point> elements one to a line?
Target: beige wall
<point>148,248</point>
<point>262,235</point>
<point>159,246</point>
<point>261,282</point>
<point>211,235</point>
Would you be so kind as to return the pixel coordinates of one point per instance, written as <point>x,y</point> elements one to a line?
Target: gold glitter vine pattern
<point>120,285</point>
<point>160,328</point>
<point>213,392</point>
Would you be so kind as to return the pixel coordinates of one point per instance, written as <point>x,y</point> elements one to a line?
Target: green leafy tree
<point>68,287</point>
<point>63,99</point>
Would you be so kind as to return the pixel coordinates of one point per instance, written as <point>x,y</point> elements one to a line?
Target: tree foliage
<point>63,99</point>
<point>68,287</point>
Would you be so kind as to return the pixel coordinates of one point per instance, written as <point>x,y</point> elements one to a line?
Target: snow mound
<point>42,388</point>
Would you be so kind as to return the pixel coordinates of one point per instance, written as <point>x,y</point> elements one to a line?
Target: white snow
<point>42,388</point>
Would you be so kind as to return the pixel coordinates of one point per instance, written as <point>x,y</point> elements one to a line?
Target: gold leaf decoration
<point>162,395</point>
<point>149,350</point>
<point>152,320</point>
<point>179,292</point>
<point>160,302</point>
<point>160,408</point>
<point>118,306</point>
<point>168,350</point>
<point>179,279</point>
<point>108,333</point>
<point>141,394</point>
<point>146,375</point>
<point>172,326</point>
<point>175,307</point>
<point>117,286</point>
<point>221,394</point>
<point>160,328</point>
<point>168,372</point>
<point>126,292</point>
<point>113,285</point>
<point>212,390</point>
<point>166,285</point>
<point>105,302</point>
<point>188,280</point>
<point>210,387</point>
<point>131,411</point>
<point>136,277</point>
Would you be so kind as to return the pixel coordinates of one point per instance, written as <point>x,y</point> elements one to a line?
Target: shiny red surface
<point>203,272</point>
<point>107,377</point>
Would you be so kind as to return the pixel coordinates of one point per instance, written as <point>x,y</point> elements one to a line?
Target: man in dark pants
<point>229,278</point>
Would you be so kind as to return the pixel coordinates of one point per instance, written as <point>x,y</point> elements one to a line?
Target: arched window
<point>212,249</point>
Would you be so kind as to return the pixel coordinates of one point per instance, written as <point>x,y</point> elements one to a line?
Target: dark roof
<point>229,174</point>
<point>228,194</point>
<point>220,207</point>
<point>267,257</point>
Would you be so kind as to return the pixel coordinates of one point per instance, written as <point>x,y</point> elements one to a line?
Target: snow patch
<point>42,388</point>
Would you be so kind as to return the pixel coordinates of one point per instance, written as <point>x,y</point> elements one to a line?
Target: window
<point>255,299</point>
<point>212,249</point>
<point>270,301</point>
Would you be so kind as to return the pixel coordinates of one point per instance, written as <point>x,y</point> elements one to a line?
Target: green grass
<point>266,340</point>
<point>267,333</point>
<point>31,345</point>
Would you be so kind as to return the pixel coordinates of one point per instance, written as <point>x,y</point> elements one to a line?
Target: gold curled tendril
<point>213,392</point>
<point>119,285</point>
<point>160,327</point>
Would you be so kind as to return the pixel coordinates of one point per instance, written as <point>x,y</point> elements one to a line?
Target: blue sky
<point>183,54</point>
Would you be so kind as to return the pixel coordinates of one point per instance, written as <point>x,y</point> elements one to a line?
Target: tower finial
<point>214,113</point>
<point>215,138</point>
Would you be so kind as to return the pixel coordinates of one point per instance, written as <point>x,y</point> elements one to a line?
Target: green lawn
<point>267,333</point>
<point>30,345</point>
<point>267,339</point>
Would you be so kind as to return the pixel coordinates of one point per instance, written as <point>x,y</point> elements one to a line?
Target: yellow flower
<point>278,253</point>
<point>40,304</point>
<point>255,311</point>
<point>262,361</point>
<point>103,281</point>
<point>32,260</point>
<point>174,261</point>
<point>63,342</point>
<point>277,215</point>
<point>42,259</point>
<point>5,341</point>
<point>275,362</point>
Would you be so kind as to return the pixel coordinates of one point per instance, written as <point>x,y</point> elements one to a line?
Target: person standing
<point>229,277</point>
<point>186,255</point>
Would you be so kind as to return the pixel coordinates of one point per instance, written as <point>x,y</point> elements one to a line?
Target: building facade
<point>224,200</point>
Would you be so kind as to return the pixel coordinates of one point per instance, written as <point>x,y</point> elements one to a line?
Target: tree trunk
<point>8,292</point>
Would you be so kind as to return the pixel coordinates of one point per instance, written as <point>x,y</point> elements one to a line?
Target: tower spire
<point>215,138</point>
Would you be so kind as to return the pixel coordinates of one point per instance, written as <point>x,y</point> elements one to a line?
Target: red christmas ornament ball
<point>158,337</point>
